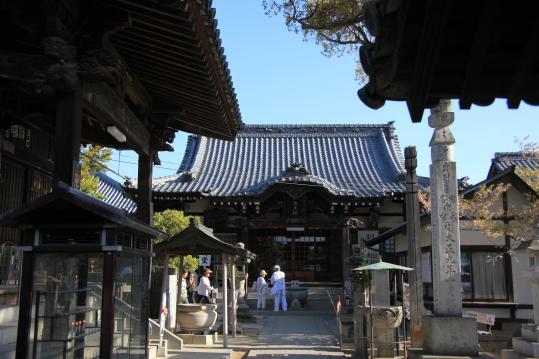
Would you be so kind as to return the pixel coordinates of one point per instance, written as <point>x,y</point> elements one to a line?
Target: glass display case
<point>66,316</point>
<point>85,278</point>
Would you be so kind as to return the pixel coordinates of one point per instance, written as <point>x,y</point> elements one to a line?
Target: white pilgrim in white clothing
<point>278,289</point>
<point>261,290</point>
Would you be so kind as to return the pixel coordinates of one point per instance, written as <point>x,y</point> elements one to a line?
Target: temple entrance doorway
<point>304,254</point>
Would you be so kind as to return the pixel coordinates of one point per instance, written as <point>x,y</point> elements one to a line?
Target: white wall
<point>521,286</point>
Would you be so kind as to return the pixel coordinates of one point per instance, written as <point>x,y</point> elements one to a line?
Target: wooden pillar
<point>414,248</point>
<point>233,288</point>
<point>67,137</point>
<point>164,283</point>
<point>145,212</point>
<point>144,190</point>
<point>107,322</point>
<point>25,303</point>
<point>225,303</point>
<point>507,258</point>
<point>345,252</point>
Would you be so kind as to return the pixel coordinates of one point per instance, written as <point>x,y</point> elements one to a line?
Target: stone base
<point>530,332</point>
<point>415,353</point>
<point>449,336</point>
<point>195,339</point>
<point>525,347</point>
<point>511,354</point>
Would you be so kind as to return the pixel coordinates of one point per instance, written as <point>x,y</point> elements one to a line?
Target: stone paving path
<point>293,335</point>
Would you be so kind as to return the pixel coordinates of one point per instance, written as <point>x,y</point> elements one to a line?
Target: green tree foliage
<point>93,159</point>
<point>336,25</point>
<point>171,222</point>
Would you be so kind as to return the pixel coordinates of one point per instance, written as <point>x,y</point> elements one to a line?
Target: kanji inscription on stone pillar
<point>445,218</point>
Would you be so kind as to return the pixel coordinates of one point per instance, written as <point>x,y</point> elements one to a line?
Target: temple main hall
<point>305,197</point>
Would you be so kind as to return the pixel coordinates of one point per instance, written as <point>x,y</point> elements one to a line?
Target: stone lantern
<point>84,283</point>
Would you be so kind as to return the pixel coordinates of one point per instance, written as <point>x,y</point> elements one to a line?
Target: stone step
<point>174,342</point>
<point>161,351</point>
<point>525,347</point>
<point>9,313</point>
<point>8,333</point>
<point>511,354</point>
<point>152,351</point>
<point>203,353</point>
<point>7,351</point>
<point>530,332</point>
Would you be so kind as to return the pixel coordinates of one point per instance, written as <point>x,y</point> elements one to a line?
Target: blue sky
<point>279,78</point>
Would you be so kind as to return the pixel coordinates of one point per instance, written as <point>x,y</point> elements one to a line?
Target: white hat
<point>276,267</point>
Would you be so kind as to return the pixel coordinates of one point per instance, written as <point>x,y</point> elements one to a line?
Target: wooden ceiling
<point>148,67</point>
<point>175,52</point>
<point>473,51</point>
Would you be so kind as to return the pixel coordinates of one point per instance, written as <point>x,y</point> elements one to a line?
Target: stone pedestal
<point>384,337</point>
<point>450,336</point>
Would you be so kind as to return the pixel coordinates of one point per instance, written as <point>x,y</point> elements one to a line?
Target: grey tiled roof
<point>348,160</point>
<point>114,193</point>
<point>504,160</point>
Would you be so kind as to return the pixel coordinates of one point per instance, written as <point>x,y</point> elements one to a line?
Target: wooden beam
<point>67,138</point>
<point>489,11</point>
<point>144,188</point>
<point>526,66</point>
<point>142,38</point>
<point>103,103</point>
<point>430,43</point>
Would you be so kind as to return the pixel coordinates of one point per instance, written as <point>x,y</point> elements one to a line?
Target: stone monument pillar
<point>527,346</point>
<point>446,332</point>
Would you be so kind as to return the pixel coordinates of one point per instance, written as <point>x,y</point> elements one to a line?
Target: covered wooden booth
<point>198,239</point>
<point>84,278</point>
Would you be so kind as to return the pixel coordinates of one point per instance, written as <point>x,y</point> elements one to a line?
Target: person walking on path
<point>261,290</point>
<point>278,289</point>
<point>183,287</point>
<point>204,288</point>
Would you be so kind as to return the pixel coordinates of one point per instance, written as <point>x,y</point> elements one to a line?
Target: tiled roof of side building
<point>115,194</point>
<point>504,160</point>
<point>348,160</point>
